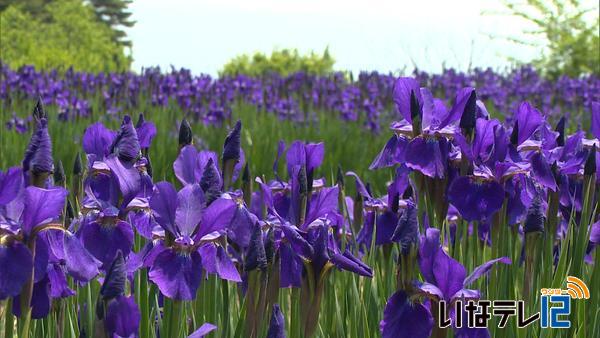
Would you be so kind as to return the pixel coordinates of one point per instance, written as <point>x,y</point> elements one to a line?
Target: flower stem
<point>26,293</point>
<point>9,320</point>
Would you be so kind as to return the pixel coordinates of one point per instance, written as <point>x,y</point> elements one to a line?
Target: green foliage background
<point>64,33</point>
<point>571,32</point>
<point>283,61</point>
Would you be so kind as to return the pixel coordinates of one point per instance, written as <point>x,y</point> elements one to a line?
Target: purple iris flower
<point>119,313</point>
<point>117,183</point>
<point>429,149</point>
<point>176,268</point>
<point>445,279</point>
<point>112,190</point>
<point>277,323</point>
<point>479,195</point>
<point>309,155</point>
<point>298,245</point>
<point>19,124</point>
<point>428,152</point>
<point>146,131</point>
<point>383,212</point>
<point>99,142</point>
<point>26,215</point>
<point>527,120</point>
<point>404,318</point>
<point>476,199</point>
<point>193,166</point>
<point>392,153</point>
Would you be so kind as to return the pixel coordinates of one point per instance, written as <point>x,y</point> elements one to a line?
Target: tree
<point>571,32</point>
<point>33,7</point>
<point>114,13</point>
<point>284,62</point>
<point>66,34</point>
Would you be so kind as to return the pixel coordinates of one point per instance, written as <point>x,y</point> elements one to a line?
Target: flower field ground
<point>298,207</point>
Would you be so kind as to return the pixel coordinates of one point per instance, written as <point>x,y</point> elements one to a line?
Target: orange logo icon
<point>576,288</point>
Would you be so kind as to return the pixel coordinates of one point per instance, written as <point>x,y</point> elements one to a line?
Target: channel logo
<point>576,288</point>
<point>556,303</point>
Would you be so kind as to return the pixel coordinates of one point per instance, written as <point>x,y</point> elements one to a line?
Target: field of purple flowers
<point>218,210</point>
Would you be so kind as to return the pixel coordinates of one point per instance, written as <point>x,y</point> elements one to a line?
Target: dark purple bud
<point>185,134</point>
<point>78,165</point>
<point>140,121</point>
<point>408,193</point>
<point>38,155</point>
<point>415,107</point>
<point>270,245</point>
<point>560,128</point>
<point>211,182</point>
<point>590,163</point>
<point>368,188</point>
<point>514,136</point>
<point>38,111</point>
<point>277,323</point>
<point>126,145</point>
<point>114,283</point>
<point>148,165</point>
<point>555,172</point>
<point>70,214</point>
<point>534,222</point>
<point>339,180</point>
<point>232,145</point>
<point>407,230</point>
<point>256,257</point>
<point>469,115</point>
<point>302,180</point>
<point>321,249</point>
<point>59,174</point>
<point>246,173</point>
<point>415,113</point>
<point>247,185</point>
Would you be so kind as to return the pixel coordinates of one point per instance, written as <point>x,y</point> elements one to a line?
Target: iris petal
<point>16,263</point>
<point>177,275</point>
<point>403,319</point>
<point>122,316</point>
<point>476,200</point>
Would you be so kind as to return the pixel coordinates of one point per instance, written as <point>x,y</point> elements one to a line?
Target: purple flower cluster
<point>455,168</point>
<point>290,231</point>
<point>296,97</point>
<point>460,165</point>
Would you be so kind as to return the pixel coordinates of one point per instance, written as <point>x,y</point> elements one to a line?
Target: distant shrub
<point>283,61</point>
<point>68,35</point>
<point>571,32</point>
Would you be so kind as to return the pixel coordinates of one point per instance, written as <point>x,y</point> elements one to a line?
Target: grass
<point>347,144</point>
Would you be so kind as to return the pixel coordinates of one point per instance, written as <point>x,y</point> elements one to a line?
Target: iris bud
<point>185,134</point>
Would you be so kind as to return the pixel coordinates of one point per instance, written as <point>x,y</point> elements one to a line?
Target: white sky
<point>362,35</point>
